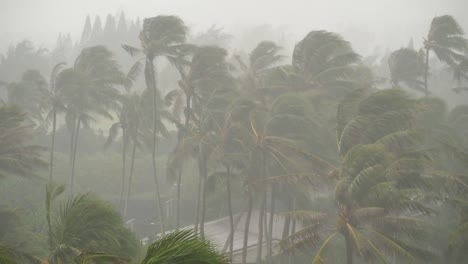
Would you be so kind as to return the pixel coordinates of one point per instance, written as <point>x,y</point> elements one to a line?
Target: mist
<point>233,131</point>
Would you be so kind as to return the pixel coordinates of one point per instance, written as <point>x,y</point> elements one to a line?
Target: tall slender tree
<point>89,88</point>
<point>161,36</point>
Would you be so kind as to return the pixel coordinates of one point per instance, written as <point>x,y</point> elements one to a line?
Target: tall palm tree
<point>129,103</point>
<point>207,87</point>
<point>89,88</point>
<point>129,122</point>
<point>54,101</point>
<point>445,39</point>
<point>161,36</point>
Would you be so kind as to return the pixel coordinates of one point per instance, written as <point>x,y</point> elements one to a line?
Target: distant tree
<point>407,67</point>
<point>22,57</point>
<point>86,34</point>
<point>27,95</point>
<point>110,26</point>
<point>17,155</point>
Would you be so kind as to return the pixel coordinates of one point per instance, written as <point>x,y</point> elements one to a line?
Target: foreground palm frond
<point>183,247</point>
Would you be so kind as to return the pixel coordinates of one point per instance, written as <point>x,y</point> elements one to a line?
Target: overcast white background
<point>379,22</point>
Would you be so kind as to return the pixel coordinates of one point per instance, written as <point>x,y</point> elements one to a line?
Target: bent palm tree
<point>161,36</point>
<point>445,39</point>
<point>379,185</point>
<point>324,60</point>
<point>88,88</point>
<point>17,155</point>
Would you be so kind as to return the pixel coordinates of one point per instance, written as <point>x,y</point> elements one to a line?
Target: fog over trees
<point>269,132</point>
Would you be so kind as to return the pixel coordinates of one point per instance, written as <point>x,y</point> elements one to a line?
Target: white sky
<point>385,20</point>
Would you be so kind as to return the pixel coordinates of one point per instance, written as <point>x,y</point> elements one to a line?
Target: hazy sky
<point>366,21</point>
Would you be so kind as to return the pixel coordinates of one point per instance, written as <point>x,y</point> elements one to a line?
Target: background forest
<point>132,140</point>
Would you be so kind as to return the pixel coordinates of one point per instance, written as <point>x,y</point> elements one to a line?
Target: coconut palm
<point>85,224</point>
<point>445,39</point>
<point>262,58</point>
<point>207,87</point>
<point>324,60</point>
<point>379,184</point>
<point>161,36</point>
<point>270,139</point>
<point>89,88</point>
<point>129,122</point>
<point>17,155</point>
<point>126,117</point>
<point>53,100</point>
<point>407,67</point>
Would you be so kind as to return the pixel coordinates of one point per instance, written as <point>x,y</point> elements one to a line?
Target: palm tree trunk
<point>287,222</point>
<point>246,228</point>
<point>130,179</point>
<point>179,175</point>
<point>199,194</point>
<point>52,145</point>
<point>179,182</point>
<point>426,74</point>
<point>261,215</point>
<point>72,141</point>
<point>293,227</point>
<point>150,75</point>
<point>262,209</point>
<point>270,226</point>
<point>203,198</point>
<point>231,216</point>
<point>124,161</point>
<point>349,249</point>
<point>72,180</point>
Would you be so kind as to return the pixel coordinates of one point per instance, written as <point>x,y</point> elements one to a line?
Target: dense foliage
<point>346,165</point>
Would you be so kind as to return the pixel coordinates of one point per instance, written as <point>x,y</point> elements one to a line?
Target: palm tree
<point>445,39</point>
<point>161,36</point>
<point>17,155</point>
<point>126,117</point>
<point>85,224</point>
<point>381,176</point>
<point>88,88</point>
<point>130,115</point>
<point>207,87</point>
<point>53,99</point>
<point>27,94</point>
<point>324,60</point>
<point>407,67</point>
<point>183,247</point>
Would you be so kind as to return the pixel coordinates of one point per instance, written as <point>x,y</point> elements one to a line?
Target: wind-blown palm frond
<point>183,247</point>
